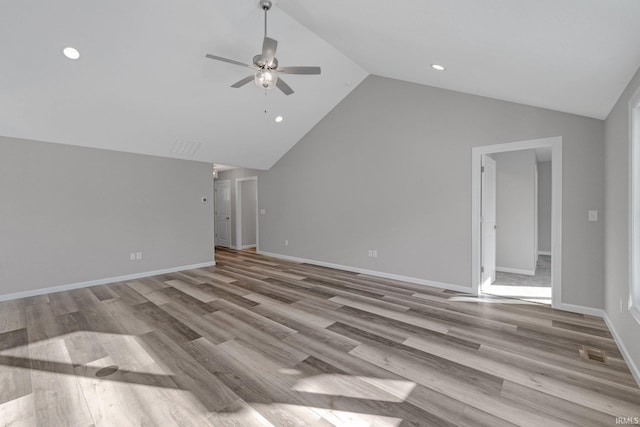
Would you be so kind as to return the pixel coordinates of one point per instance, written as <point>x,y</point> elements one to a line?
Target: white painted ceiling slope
<point>142,82</point>
<point>575,56</point>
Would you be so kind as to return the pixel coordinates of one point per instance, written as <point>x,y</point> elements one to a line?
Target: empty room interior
<point>290,213</point>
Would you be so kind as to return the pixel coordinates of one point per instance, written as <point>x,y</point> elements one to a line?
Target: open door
<point>223,213</point>
<point>488,221</point>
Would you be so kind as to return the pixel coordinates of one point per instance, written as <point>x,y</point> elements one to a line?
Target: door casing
<point>556,210</point>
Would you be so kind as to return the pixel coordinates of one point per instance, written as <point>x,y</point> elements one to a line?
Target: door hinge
<point>481,269</point>
<point>482,169</point>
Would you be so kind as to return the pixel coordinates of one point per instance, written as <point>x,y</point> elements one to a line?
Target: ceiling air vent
<point>185,148</point>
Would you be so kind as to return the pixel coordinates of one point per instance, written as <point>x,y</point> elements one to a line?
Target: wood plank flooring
<point>261,341</point>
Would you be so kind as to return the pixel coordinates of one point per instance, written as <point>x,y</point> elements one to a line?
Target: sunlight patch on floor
<point>287,371</point>
<point>357,387</point>
<point>75,349</point>
<point>353,419</point>
<point>534,294</point>
<point>519,291</point>
<point>241,414</point>
<point>18,412</point>
<point>335,417</point>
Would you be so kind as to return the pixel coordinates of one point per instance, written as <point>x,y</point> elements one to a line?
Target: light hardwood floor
<point>260,341</point>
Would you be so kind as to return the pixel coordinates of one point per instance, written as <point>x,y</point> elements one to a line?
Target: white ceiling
<point>143,83</point>
<point>575,56</point>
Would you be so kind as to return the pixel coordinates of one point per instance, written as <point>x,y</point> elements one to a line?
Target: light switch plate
<point>593,216</point>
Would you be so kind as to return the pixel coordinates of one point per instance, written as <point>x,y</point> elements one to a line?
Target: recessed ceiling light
<point>437,67</point>
<point>279,119</point>
<point>71,53</point>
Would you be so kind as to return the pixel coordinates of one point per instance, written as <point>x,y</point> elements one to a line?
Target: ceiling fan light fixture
<point>279,119</point>
<point>266,79</point>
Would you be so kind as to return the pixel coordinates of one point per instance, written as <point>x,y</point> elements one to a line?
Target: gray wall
<point>544,207</point>
<point>515,216</point>
<point>248,198</point>
<point>232,175</point>
<point>390,169</point>
<point>71,214</point>
<point>617,222</point>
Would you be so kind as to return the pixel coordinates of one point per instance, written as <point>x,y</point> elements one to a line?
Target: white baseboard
<point>580,309</point>
<point>544,253</point>
<point>516,271</point>
<point>398,277</point>
<point>247,246</point>
<point>68,287</point>
<point>625,353</point>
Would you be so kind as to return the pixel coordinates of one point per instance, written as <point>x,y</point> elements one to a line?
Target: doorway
<point>222,212</point>
<point>489,228</point>
<point>247,213</point>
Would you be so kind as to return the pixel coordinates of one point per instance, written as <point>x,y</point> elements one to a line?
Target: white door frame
<point>239,211</point>
<point>556,208</point>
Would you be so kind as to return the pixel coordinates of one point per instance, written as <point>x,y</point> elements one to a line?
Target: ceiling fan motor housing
<point>259,62</point>
<point>265,4</point>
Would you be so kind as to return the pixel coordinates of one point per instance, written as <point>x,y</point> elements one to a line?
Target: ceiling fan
<point>266,64</point>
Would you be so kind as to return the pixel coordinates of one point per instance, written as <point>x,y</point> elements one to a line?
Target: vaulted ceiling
<point>143,82</point>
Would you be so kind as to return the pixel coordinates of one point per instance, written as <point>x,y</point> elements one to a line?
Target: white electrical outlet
<point>138,256</point>
<point>132,256</point>
<point>286,243</point>
<point>593,216</point>
<point>263,211</point>
<point>374,253</point>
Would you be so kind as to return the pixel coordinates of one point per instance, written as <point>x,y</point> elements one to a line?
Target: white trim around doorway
<point>556,208</point>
